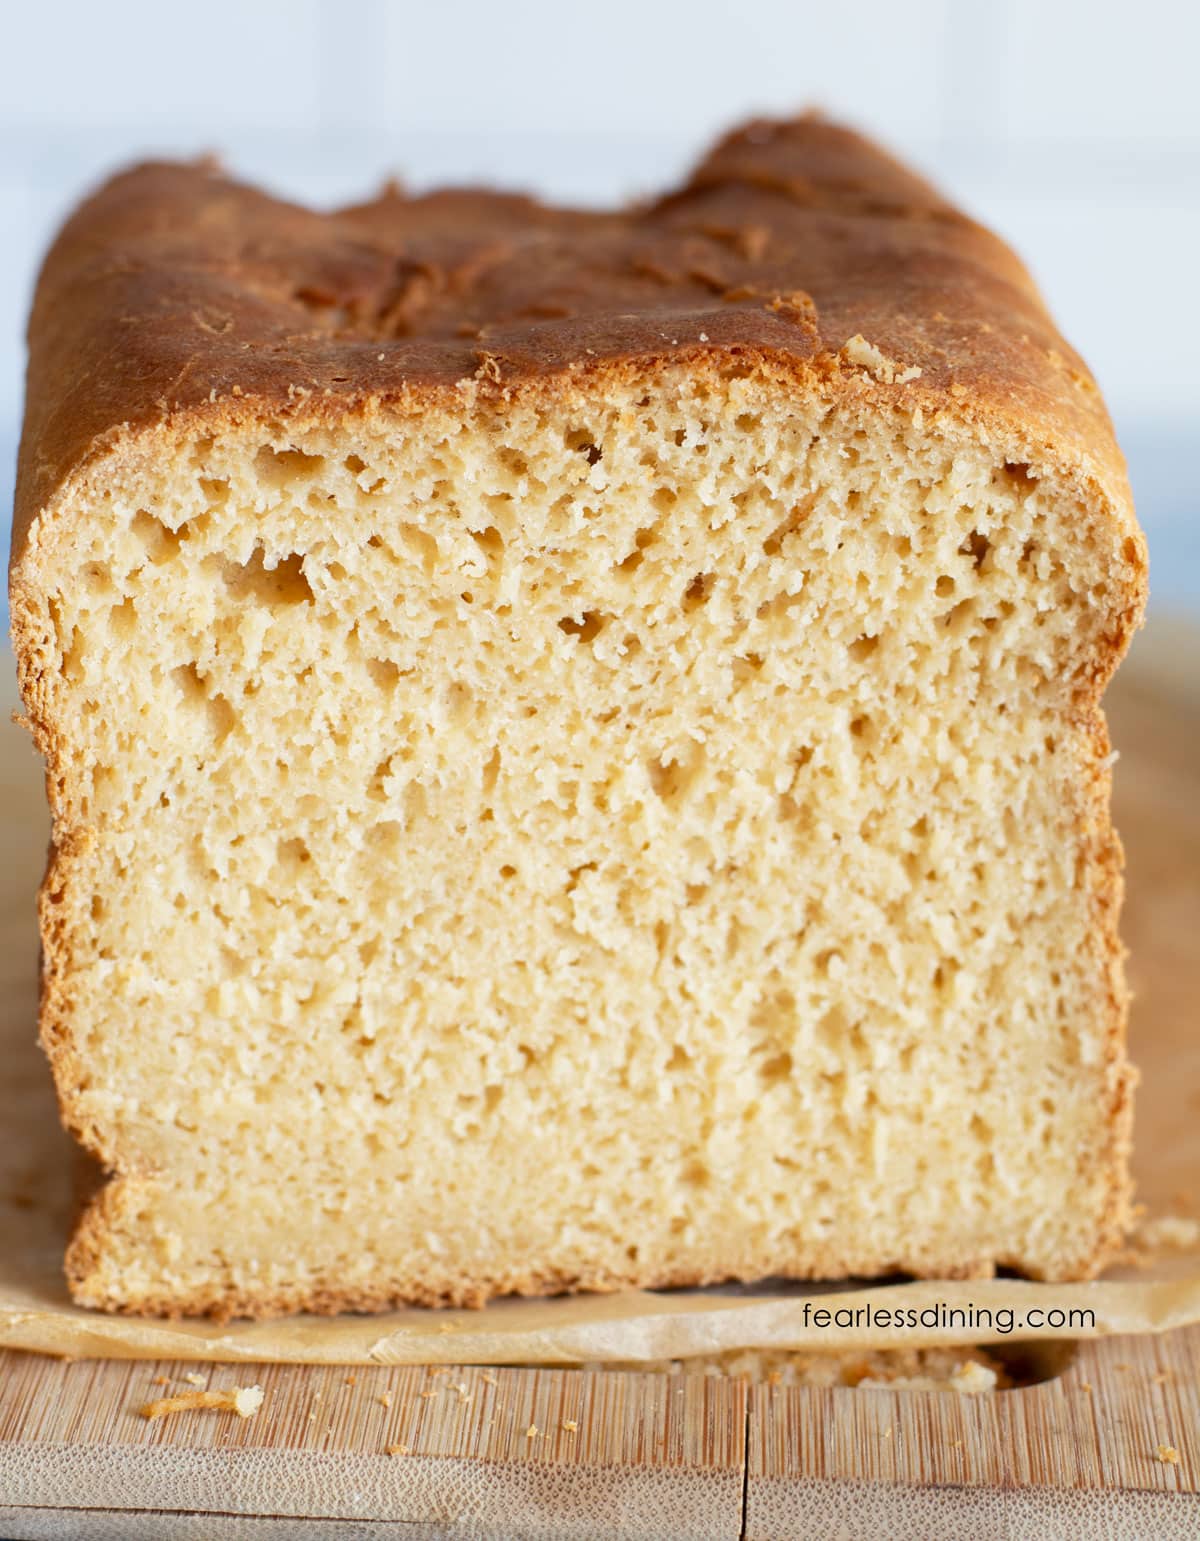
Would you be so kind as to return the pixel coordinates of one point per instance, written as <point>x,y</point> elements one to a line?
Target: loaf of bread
<point>573,740</point>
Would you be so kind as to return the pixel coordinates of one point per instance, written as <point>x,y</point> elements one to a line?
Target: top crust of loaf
<point>176,300</point>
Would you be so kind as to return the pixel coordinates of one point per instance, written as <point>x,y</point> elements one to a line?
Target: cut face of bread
<point>643,823</point>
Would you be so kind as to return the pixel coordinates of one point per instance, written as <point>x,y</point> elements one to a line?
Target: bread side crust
<point>996,389</point>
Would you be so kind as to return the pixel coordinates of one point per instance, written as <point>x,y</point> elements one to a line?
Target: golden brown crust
<point>175,292</point>
<point>177,301</point>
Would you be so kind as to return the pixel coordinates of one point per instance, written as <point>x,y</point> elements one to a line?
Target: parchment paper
<point>1156,725</point>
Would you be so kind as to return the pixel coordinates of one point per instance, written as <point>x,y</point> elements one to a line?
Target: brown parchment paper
<point>1155,719</point>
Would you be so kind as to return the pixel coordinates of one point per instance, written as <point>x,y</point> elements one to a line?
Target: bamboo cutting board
<point>519,1453</point>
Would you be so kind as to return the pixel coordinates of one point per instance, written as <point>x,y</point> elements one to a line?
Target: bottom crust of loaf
<point>106,1255</point>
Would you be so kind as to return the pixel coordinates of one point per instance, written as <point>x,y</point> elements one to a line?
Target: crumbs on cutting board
<point>245,1401</point>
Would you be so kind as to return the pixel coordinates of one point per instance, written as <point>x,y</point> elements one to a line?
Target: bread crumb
<point>427,1394</point>
<point>398,1450</point>
<point>160,1380</point>
<point>386,1399</point>
<point>245,1401</point>
<point>352,1380</point>
<point>1086,1385</point>
<point>531,1431</point>
<point>195,1380</point>
<point>1168,1455</point>
<point>1175,1233</point>
<point>489,1380</point>
<point>857,350</point>
<point>972,1378</point>
<point>570,1425</point>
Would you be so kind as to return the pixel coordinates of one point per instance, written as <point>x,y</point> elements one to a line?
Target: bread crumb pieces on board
<point>195,1380</point>
<point>1168,1455</point>
<point>245,1401</point>
<point>398,1450</point>
<point>532,1431</point>
<point>1169,1233</point>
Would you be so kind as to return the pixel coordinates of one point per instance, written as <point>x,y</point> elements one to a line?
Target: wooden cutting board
<point>1109,1445</point>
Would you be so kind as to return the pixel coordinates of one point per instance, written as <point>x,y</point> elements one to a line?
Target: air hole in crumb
<point>585,628</point>
<point>489,541</point>
<point>354,464</point>
<point>773,544</point>
<point>216,495</point>
<point>277,467</point>
<point>863,648</point>
<point>293,853</point>
<point>944,586</point>
<point>1020,472</point>
<point>508,871</point>
<point>976,546</point>
<point>384,672</point>
<point>160,543</point>
<point>377,786</point>
<point>695,1175</point>
<point>122,619</point>
<point>859,726</point>
<point>221,718</point>
<point>747,422</point>
<point>672,777</point>
<point>778,1068</point>
<point>190,682</point>
<point>582,442</point>
<point>680,1060</point>
<point>697,591</point>
<point>278,585</point>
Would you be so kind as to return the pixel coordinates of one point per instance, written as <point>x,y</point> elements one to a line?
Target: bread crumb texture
<point>646,826</point>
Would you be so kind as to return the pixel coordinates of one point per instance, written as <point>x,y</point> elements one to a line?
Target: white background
<point>1073,128</point>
